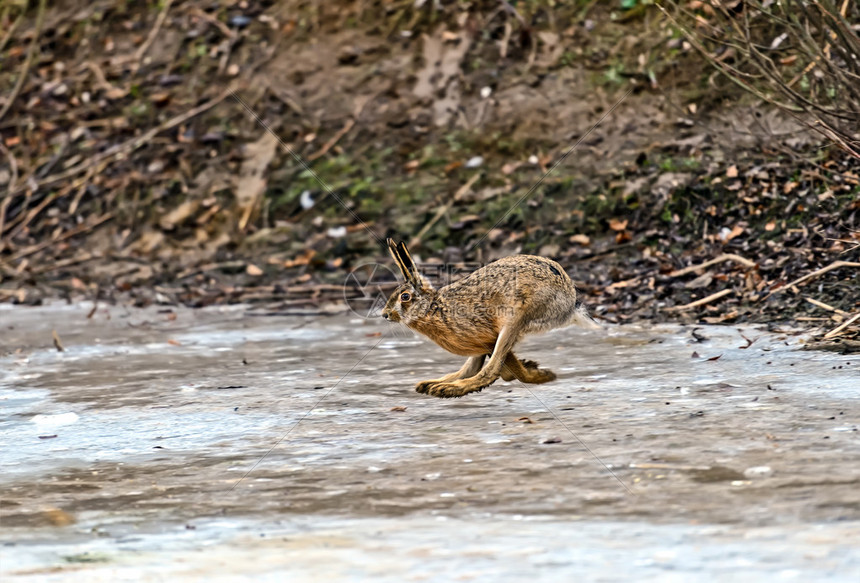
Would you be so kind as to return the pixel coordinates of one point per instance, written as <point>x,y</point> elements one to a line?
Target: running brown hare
<point>486,314</point>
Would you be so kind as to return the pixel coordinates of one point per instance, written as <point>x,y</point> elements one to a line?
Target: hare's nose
<point>385,315</point>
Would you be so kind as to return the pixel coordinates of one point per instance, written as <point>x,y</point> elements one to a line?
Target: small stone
<point>758,472</point>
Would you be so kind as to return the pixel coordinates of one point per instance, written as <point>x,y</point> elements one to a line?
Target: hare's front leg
<point>470,368</point>
<point>527,371</point>
<point>487,375</point>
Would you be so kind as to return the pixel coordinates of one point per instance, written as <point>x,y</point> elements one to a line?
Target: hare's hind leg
<point>487,375</point>
<point>526,371</point>
<point>469,369</point>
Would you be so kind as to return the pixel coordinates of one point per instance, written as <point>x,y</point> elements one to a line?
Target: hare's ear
<point>408,265</point>
<point>394,249</point>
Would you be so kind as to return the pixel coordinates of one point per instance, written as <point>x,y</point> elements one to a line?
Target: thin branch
<point>31,51</point>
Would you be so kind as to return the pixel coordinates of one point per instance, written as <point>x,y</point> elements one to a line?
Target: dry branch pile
<point>131,172</point>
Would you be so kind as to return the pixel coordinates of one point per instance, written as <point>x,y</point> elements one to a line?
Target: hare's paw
<point>535,375</point>
<point>541,375</point>
<point>527,371</point>
<point>424,386</point>
<point>448,390</point>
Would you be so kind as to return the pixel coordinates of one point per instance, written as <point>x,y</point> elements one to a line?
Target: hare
<point>486,314</point>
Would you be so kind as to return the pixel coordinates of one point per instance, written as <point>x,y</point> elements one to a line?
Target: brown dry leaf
<point>398,409</point>
<point>178,215</point>
<point>116,93</point>
<point>618,224</point>
<point>412,165</point>
<point>525,420</point>
<point>452,166</point>
<point>718,357</point>
<point>770,226</point>
<point>59,517</point>
<point>736,230</point>
<point>251,182</point>
<point>732,171</point>
<point>173,342</point>
<point>160,98</point>
<point>623,237</point>
<point>301,259</point>
<point>253,270</point>
<point>510,168</point>
<point>57,343</point>
<point>583,240</point>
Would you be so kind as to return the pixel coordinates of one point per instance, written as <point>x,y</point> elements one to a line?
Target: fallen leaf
<point>253,270</point>
<point>57,344</point>
<point>251,181</point>
<point>509,168</point>
<point>173,342</point>
<point>732,171</point>
<point>59,517</point>
<point>617,224</point>
<point>583,240</point>
<point>525,420</point>
<point>399,409</point>
<point>622,237</point>
<point>715,357</point>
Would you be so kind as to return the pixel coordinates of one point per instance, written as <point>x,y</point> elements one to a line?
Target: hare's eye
<point>405,297</point>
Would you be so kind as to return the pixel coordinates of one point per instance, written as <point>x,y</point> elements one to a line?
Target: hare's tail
<point>582,318</point>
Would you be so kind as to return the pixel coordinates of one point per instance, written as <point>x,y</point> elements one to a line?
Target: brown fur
<point>486,314</point>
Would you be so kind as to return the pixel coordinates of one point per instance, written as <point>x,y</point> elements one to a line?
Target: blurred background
<point>224,151</point>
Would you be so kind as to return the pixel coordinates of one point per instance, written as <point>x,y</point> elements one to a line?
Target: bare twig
<point>461,192</point>
<point>67,235</point>
<point>714,261</point>
<point>701,302</point>
<point>31,51</point>
<point>13,166</point>
<point>225,30</point>
<point>816,273</point>
<point>14,27</point>
<point>159,22</point>
<point>827,307</point>
<point>134,143</point>
<point>838,330</point>
<point>334,140</point>
<point>3,206</point>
